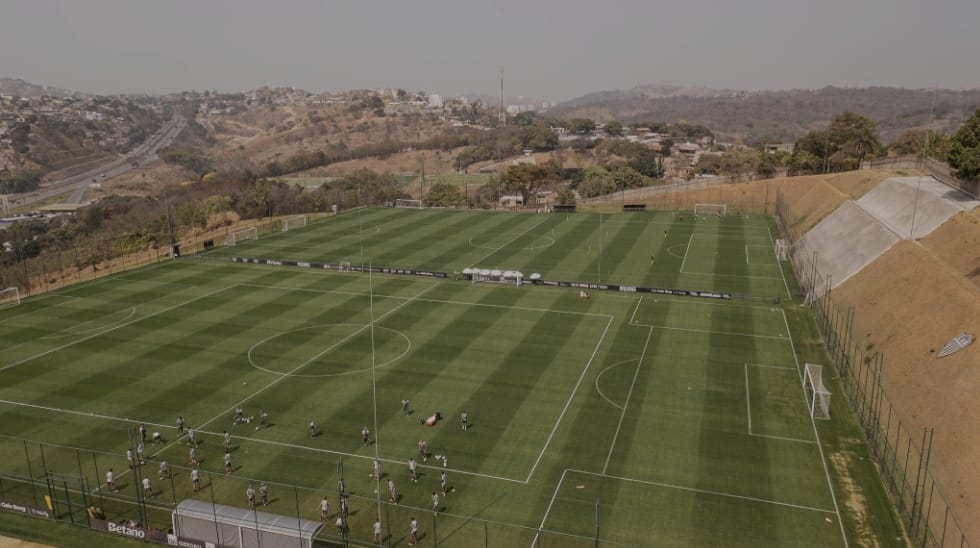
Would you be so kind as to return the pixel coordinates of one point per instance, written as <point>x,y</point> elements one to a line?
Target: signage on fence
<point>342,267</point>
<point>25,510</point>
<point>131,531</point>
<point>635,289</point>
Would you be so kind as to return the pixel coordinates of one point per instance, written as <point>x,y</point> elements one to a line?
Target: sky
<point>549,49</point>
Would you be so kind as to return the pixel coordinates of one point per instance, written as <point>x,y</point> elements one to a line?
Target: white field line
<point>4,320</point>
<point>706,492</point>
<point>781,273</point>
<point>748,411</point>
<point>55,335</point>
<point>636,373</point>
<point>103,332</point>
<point>437,301</point>
<point>746,254</point>
<point>703,302</point>
<point>554,495</point>
<point>535,225</point>
<point>684,262</point>
<point>816,435</point>
<point>599,376</point>
<point>746,276</point>
<point>635,310</point>
<point>765,366</point>
<point>570,397</point>
<point>709,332</point>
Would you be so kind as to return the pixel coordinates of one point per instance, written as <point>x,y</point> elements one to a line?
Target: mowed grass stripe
<point>472,244</point>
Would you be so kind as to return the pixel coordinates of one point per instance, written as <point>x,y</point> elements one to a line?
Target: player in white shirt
<point>365,435</point>
<point>228,464</point>
<point>264,494</point>
<point>129,457</point>
<point>392,493</point>
<point>147,489</point>
<point>324,509</point>
<point>196,479</point>
<point>464,421</point>
<point>412,465</point>
<point>377,531</point>
<point>192,456</point>
<point>227,441</point>
<point>110,480</point>
<point>435,502</point>
<point>377,469</point>
<point>413,531</point>
<point>190,438</point>
<point>250,494</point>
<point>164,470</point>
<point>180,425</point>
<point>139,452</point>
<point>442,483</point>
<point>312,428</point>
<point>424,450</point>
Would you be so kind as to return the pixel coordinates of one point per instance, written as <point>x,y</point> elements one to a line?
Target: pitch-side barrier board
<point>346,268</point>
<point>625,288</point>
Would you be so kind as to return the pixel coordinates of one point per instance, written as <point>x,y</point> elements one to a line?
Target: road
<point>77,184</point>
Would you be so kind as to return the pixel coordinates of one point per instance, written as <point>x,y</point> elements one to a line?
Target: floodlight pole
<point>599,276</point>
<point>374,385</point>
<point>915,207</point>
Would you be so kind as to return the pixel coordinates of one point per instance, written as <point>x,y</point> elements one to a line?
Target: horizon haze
<point>549,50</point>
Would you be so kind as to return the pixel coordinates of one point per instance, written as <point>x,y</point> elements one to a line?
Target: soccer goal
<point>781,249</point>
<point>711,209</point>
<point>486,275</point>
<point>9,296</point>
<point>817,396</point>
<point>408,203</point>
<point>345,266</point>
<point>291,223</point>
<point>250,233</point>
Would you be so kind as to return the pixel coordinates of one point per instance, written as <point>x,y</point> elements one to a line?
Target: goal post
<point>250,233</point>
<point>345,266</point>
<point>497,276</point>
<point>817,395</point>
<point>10,296</point>
<point>291,223</point>
<point>781,250</point>
<point>711,209</point>
<point>417,204</point>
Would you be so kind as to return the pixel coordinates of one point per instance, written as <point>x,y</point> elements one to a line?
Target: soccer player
<point>110,480</point>
<point>190,438</point>
<point>157,437</point>
<point>239,414</point>
<point>340,525</point>
<point>392,493</point>
<point>377,531</point>
<point>196,479</point>
<point>413,531</point>
<point>263,419</point>
<point>192,456</point>
<point>442,483</point>
<point>142,432</point>
<point>250,493</point>
<point>343,506</point>
<point>180,425</point>
<point>411,469</point>
<point>139,452</point>
<point>147,489</point>
<point>164,470</point>
<point>228,464</point>
<point>464,421</point>
<point>129,457</point>
<point>312,428</point>
<point>424,450</point>
<point>435,502</point>
<point>324,509</point>
<point>264,493</point>
<point>405,408</point>
<point>227,442</point>
<point>365,434</point>
<point>377,469</point>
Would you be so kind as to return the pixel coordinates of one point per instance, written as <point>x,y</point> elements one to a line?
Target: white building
<point>435,101</point>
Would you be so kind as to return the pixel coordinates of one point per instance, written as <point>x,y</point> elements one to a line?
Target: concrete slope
<point>913,207</point>
<point>846,241</point>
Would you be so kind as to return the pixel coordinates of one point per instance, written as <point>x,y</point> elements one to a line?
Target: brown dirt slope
<point>908,304</point>
<point>957,243</point>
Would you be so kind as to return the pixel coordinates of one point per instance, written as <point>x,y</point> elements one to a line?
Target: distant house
<point>773,148</point>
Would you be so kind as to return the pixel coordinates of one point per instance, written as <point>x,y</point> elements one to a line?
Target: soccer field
<point>637,419</point>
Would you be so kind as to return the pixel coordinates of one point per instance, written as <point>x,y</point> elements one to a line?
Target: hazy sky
<point>549,49</point>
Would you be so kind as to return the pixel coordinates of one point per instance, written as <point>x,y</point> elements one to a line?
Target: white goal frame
<point>9,296</point>
<point>250,233</point>
<point>781,249</point>
<point>400,202</point>
<point>817,395</point>
<point>718,209</point>
<point>296,221</point>
<point>496,276</point>
<point>344,266</point>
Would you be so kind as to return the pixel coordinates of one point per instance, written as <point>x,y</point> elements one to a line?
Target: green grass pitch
<point>647,420</point>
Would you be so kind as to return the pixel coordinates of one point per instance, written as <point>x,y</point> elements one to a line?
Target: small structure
<point>230,526</point>
<point>958,343</point>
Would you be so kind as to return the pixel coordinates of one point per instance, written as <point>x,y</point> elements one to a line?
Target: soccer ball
<point>256,427</point>
<point>244,383</point>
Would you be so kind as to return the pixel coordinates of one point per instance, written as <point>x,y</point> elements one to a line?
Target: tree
<point>526,179</point>
<point>627,177</point>
<point>848,140</point>
<point>614,129</point>
<point>444,194</point>
<point>964,150</point>
<point>564,196</point>
<point>581,126</point>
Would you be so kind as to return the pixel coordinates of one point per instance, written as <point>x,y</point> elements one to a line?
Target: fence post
<point>30,472</point>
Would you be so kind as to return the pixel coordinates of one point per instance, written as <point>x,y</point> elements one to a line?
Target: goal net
<point>408,203</point>
<point>817,396</point>
<point>250,233</point>
<point>290,223</point>
<point>9,296</point>
<point>486,275</point>
<point>782,250</point>
<point>710,209</point>
<point>345,266</point>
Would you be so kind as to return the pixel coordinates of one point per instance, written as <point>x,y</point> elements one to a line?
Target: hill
<point>16,86</point>
<point>777,116</point>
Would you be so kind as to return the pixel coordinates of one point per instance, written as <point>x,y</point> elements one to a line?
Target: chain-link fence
<point>901,455</point>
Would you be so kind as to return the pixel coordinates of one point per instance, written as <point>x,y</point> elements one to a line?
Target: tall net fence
<point>901,454</point>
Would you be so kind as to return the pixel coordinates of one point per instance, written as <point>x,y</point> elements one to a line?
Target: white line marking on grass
<point>635,310</point>
<point>746,254</point>
<point>4,320</point>
<point>510,241</point>
<point>709,332</point>
<point>55,335</point>
<point>746,276</point>
<point>781,273</point>
<point>83,339</point>
<point>748,409</point>
<point>612,446</point>
<point>599,376</point>
<point>708,492</point>
<point>570,397</point>
<point>816,435</point>
<point>547,511</point>
<point>689,241</point>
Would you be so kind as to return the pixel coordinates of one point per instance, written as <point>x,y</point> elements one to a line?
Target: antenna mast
<point>502,114</point>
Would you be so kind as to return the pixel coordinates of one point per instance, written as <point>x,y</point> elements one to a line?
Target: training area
<point>597,417</point>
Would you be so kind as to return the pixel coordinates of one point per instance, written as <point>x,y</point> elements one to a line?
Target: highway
<point>77,184</point>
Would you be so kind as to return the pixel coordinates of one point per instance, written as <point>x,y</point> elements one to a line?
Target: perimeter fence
<point>901,455</point>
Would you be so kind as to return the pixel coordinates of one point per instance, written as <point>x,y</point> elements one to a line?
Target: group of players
<point>163,470</point>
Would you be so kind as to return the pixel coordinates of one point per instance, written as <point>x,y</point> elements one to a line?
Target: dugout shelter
<point>241,527</point>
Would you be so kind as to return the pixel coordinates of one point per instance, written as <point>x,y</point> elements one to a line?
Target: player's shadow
<point>316,434</point>
<point>272,501</point>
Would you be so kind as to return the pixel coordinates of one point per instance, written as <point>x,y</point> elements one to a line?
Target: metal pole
<point>596,523</point>
<point>30,472</point>
<point>374,386</point>
<point>214,511</point>
<point>599,278</point>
